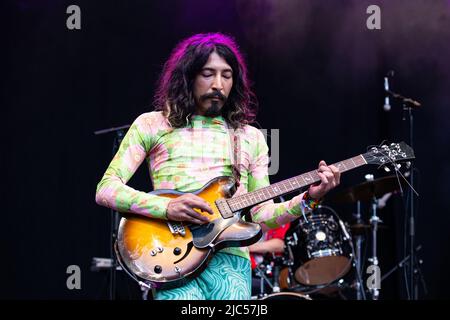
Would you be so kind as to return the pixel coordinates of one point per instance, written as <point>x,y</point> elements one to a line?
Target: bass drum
<point>286,296</point>
<point>319,248</point>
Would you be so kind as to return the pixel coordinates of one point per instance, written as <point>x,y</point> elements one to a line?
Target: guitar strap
<point>235,157</point>
<point>235,153</point>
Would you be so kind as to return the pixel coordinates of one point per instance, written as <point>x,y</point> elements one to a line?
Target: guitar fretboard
<point>289,185</point>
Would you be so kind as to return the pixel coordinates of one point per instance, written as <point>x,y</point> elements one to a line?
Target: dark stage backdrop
<point>318,74</point>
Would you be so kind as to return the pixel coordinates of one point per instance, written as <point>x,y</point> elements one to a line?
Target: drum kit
<point>322,257</point>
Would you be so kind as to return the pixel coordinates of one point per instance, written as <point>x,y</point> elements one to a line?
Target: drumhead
<point>323,270</point>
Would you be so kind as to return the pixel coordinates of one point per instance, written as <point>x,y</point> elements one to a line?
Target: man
<point>203,91</point>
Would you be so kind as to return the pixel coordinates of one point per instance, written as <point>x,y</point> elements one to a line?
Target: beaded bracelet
<point>310,202</point>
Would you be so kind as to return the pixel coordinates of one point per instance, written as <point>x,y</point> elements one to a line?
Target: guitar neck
<point>289,185</point>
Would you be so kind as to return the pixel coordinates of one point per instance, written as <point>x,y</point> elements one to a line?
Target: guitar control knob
<point>158,269</point>
<point>177,251</point>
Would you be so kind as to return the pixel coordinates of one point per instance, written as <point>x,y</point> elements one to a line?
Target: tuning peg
<point>386,168</point>
<point>408,164</point>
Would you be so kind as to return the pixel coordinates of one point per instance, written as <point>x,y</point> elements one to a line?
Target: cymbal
<point>366,191</point>
<point>359,226</point>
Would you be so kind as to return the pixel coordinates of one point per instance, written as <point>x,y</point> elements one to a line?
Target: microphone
<point>387,105</point>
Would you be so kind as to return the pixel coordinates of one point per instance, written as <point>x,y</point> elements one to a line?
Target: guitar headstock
<point>389,154</point>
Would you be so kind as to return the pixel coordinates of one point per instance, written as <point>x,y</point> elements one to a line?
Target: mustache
<point>212,95</point>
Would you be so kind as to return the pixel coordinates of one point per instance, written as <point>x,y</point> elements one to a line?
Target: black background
<point>318,74</point>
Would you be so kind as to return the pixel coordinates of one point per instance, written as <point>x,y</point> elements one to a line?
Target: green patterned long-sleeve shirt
<point>185,159</point>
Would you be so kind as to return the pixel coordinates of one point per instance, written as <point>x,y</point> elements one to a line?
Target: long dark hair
<point>174,95</point>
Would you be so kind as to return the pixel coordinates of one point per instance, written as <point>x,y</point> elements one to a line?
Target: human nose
<point>217,83</point>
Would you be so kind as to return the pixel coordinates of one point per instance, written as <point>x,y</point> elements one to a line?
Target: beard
<point>214,110</point>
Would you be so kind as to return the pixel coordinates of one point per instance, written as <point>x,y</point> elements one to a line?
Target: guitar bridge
<point>176,228</point>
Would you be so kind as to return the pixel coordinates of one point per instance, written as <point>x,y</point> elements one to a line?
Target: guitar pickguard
<point>204,235</point>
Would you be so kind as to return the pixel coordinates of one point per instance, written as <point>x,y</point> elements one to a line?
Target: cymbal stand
<point>263,278</point>
<point>374,221</point>
<point>405,262</point>
<point>276,273</point>
<point>358,257</point>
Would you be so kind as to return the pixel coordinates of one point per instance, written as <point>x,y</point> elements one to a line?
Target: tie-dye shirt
<point>185,159</point>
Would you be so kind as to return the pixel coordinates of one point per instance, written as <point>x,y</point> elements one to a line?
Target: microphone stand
<point>408,105</point>
<point>412,233</point>
<point>119,134</point>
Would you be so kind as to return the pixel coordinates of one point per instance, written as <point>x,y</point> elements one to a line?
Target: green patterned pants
<point>227,277</point>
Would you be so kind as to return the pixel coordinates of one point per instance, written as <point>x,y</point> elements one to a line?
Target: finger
<point>322,163</point>
<point>197,202</point>
<point>324,168</point>
<point>195,216</point>
<point>330,178</point>
<point>193,220</point>
<point>329,175</point>
<point>323,178</point>
<point>337,174</point>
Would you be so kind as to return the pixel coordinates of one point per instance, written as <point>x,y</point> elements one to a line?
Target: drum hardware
<point>404,262</point>
<point>374,220</point>
<point>261,271</point>
<point>368,191</point>
<point>270,268</point>
<point>277,263</point>
<point>286,296</point>
<point>360,294</point>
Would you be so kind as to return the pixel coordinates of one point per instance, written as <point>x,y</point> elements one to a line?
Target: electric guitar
<point>165,254</point>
